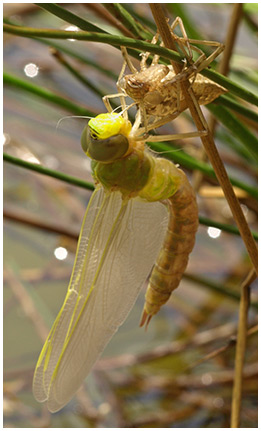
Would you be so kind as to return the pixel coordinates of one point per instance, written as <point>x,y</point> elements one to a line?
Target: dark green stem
<point>236,127</point>
<point>224,290</point>
<point>49,172</point>
<point>131,43</point>
<point>237,107</point>
<point>94,37</point>
<point>222,226</point>
<point>47,95</point>
<point>82,79</point>
<point>70,17</point>
<point>74,54</point>
<point>118,11</point>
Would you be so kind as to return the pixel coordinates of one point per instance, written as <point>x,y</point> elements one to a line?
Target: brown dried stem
<point>231,38</point>
<point>240,350</point>
<point>224,69</point>
<point>34,222</point>
<point>224,333</point>
<point>207,140</point>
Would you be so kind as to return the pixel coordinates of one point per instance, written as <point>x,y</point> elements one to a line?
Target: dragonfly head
<point>105,138</point>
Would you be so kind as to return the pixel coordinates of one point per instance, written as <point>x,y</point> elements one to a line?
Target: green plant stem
<point>141,18</point>
<point>13,81</point>
<point>86,185</point>
<point>118,11</point>
<point>131,43</point>
<point>49,172</point>
<point>225,136</point>
<point>70,17</point>
<point>252,24</point>
<point>217,287</point>
<point>93,37</point>
<point>82,79</point>
<point>222,226</point>
<point>78,56</point>
<point>237,107</point>
<point>236,127</point>
<point>72,53</point>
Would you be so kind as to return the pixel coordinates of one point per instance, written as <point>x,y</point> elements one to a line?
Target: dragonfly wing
<point>112,262</point>
<point>53,346</point>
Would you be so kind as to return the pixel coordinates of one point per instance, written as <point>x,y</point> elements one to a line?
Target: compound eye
<point>104,150</point>
<point>110,149</point>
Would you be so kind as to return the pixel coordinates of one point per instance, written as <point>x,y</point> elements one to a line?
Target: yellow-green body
<point>142,174</point>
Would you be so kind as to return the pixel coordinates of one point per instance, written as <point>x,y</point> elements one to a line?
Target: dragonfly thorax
<point>129,175</point>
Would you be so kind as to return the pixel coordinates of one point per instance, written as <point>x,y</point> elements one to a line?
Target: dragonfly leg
<point>128,62</point>
<point>164,138</point>
<point>158,123</point>
<point>184,41</point>
<point>203,61</point>
<point>107,104</point>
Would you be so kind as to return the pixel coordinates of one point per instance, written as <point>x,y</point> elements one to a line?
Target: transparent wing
<point>117,248</point>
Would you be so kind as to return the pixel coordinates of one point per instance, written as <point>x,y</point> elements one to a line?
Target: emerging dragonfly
<point>143,207</point>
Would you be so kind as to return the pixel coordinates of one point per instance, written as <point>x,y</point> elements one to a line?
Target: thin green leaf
<point>145,20</point>
<point>237,107</point>
<point>131,43</point>
<point>222,226</point>
<point>70,17</point>
<point>82,79</point>
<point>16,82</point>
<point>225,136</point>
<point>119,12</point>
<point>236,127</point>
<point>219,288</point>
<point>49,172</point>
<point>71,52</point>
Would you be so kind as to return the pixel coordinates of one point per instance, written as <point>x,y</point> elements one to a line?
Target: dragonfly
<point>143,210</point>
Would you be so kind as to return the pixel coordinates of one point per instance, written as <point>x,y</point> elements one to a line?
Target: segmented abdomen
<point>178,243</point>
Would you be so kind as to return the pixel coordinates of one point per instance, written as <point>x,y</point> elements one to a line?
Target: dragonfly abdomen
<point>178,243</point>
